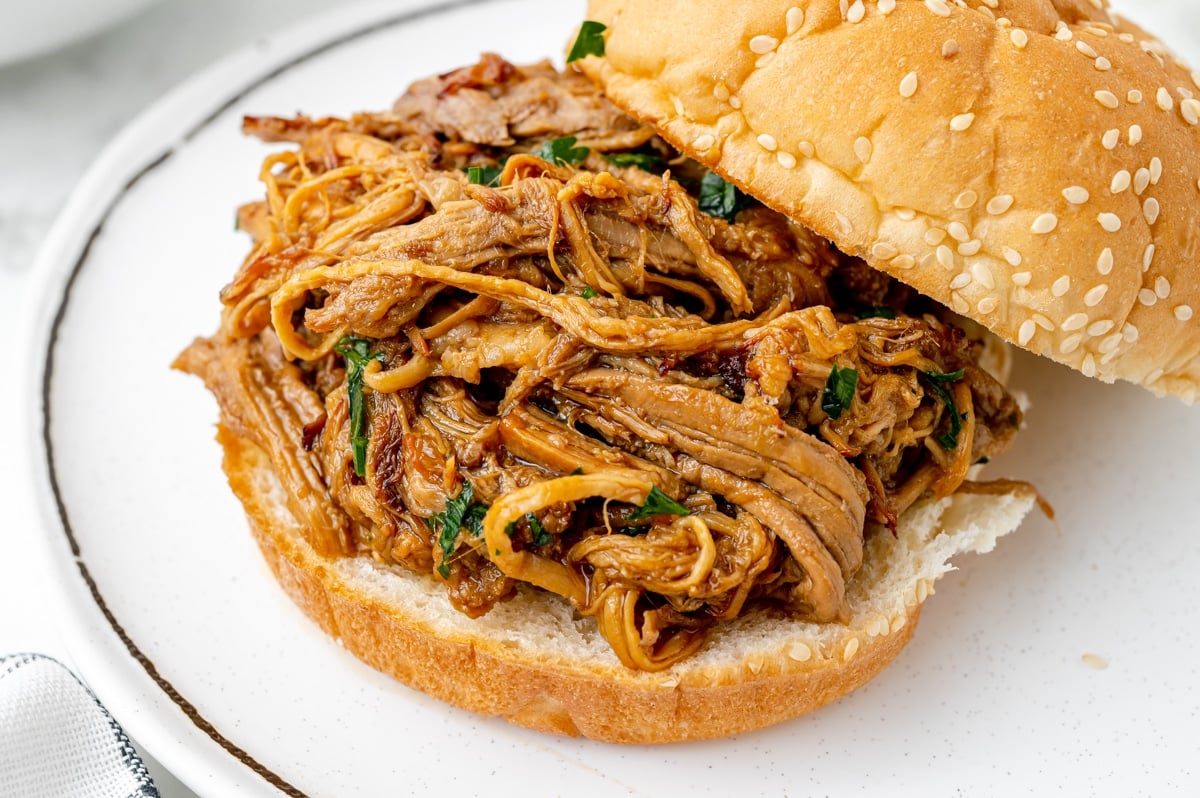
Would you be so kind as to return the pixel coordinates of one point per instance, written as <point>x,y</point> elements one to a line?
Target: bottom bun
<point>535,662</point>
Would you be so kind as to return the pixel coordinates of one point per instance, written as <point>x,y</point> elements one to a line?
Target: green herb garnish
<point>538,532</point>
<point>839,391</point>
<point>562,151</point>
<point>588,292</point>
<point>647,163</point>
<point>589,41</point>
<point>876,312</point>
<point>484,175</point>
<point>657,503</point>
<point>357,352</point>
<point>461,511</point>
<point>949,438</point>
<point>720,198</point>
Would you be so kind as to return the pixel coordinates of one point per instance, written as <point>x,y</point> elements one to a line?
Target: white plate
<point>177,625</point>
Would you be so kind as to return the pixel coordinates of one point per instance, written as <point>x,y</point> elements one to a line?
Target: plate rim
<point>89,629</point>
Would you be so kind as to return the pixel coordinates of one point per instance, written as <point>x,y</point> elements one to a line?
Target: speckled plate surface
<point>1063,662</point>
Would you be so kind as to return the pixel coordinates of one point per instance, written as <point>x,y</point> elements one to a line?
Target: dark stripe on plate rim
<point>192,713</point>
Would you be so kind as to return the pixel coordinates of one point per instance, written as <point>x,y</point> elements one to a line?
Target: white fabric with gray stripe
<point>57,740</point>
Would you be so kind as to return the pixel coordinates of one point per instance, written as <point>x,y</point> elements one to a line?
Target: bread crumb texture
<point>535,662</point>
<point>1031,164</point>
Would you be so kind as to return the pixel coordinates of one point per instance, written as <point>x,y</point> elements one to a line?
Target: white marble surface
<point>57,112</point>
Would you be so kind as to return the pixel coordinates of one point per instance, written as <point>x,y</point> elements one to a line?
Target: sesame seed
<point>1183,312</point>
<point>1089,365</point>
<point>904,262</point>
<point>958,304</point>
<point>786,160</point>
<point>1110,222</point>
<point>1076,195</point>
<point>1121,181</point>
<point>762,44</point>
<point>999,204</point>
<point>1099,328</point>
<point>934,236</point>
<point>1022,279</point>
<point>1042,322</point>
<point>1134,96</point>
<point>1150,210</point>
<point>735,102</point>
<point>1104,264</point>
<point>945,257</point>
<point>767,142</point>
<point>987,304</point>
<point>887,6</point>
<point>1153,376</point>
<point>862,148</point>
<point>898,623</point>
<point>1012,256</point>
<point>960,281</point>
<point>884,250</point>
<point>799,651</point>
<point>1190,108</point>
<point>938,7</point>
<point>961,122</point>
<point>1093,297</point>
<point>1164,99</point>
<point>1076,321</point>
<point>1162,287</point>
<point>1135,134</point>
<point>704,141</point>
<point>794,19</point>
<point>1147,297</point>
<point>966,200</point>
<point>1085,48</point>
<point>1064,33</point>
<point>721,91</point>
<point>958,231</point>
<point>1106,98</point>
<point>1156,169</point>
<point>1060,286</point>
<point>949,48</point>
<point>1141,179</point>
<point>906,214</point>
<point>970,247</point>
<point>908,85</point>
<point>1110,343</point>
<point>983,275</point>
<point>1019,38</point>
<point>1126,37</point>
<point>1148,257</point>
<point>843,222</point>
<point>1025,332</point>
<point>763,60</point>
<point>1070,344</point>
<point>1102,64</point>
<point>856,12</point>
<point>1129,333</point>
<point>1044,224</point>
<point>1111,139</point>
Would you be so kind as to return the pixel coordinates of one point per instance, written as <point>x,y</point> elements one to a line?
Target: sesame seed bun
<point>1034,166</point>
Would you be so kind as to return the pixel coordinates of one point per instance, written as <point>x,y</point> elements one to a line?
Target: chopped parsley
<point>876,312</point>
<point>936,379</point>
<point>657,503</point>
<point>484,175</point>
<point>839,391</point>
<point>563,151</point>
<point>721,198</point>
<point>647,163</point>
<point>536,531</point>
<point>461,512</point>
<point>588,292</point>
<point>589,41</point>
<point>357,352</point>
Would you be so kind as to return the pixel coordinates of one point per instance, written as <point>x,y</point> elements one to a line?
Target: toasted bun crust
<point>1032,164</point>
<point>536,663</point>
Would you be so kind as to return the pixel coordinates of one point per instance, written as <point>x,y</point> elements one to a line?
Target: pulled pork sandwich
<point>634,426</point>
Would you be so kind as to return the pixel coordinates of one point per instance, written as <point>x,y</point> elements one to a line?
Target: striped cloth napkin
<point>57,740</point>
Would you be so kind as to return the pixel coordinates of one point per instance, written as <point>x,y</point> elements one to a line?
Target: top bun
<point>1031,164</point>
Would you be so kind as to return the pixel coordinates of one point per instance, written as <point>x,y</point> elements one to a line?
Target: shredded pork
<point>557,370</point>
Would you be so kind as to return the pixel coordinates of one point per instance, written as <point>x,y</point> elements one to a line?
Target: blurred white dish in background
<point>35,26</point>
